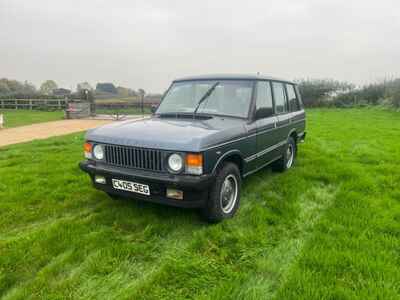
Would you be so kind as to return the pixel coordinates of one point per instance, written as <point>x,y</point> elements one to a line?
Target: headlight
<point>175,162</point>
<point>98,152</point>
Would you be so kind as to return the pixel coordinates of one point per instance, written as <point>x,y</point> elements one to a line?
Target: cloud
<point>148,43</point>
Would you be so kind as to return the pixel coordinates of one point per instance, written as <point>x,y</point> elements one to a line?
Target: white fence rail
<point>48,104</point>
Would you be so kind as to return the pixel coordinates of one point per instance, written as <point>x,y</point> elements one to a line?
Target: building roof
<point>231,77</point>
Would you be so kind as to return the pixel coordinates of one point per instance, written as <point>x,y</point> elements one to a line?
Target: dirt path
<point>45,130</point>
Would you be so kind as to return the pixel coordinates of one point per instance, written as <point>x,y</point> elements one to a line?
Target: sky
<point>146,44</point>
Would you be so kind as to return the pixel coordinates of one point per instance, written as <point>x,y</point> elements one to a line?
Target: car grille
<point>137,158</point>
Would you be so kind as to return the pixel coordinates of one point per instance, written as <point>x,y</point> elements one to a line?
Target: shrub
<point>319,92</point>
<point>393,92</point>
<point>386,92</point>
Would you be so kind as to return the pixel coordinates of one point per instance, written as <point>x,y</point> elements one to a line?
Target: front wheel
<point>288,156</point>
<point>224,197</point>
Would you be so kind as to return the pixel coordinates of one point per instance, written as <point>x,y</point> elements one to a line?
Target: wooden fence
<point>59,104</point>
<point>45,104</point>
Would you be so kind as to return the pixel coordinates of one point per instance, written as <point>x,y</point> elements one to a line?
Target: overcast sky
<point>148,43</point>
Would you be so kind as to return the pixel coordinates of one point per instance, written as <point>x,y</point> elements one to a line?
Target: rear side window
<point>292,98</point>
<point>264,99</point>
<point>279,97</point>
<point>299,97</point>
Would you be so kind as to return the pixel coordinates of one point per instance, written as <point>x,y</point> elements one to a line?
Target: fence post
<point>16,104</point>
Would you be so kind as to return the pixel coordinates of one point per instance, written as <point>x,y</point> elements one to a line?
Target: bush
<point>386,92</point>
<point>320,92</point>
<point>393,92</point>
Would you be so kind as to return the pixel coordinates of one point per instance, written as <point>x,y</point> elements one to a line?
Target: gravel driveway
<point>45,130</point>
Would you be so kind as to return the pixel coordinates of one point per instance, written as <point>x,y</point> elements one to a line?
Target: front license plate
<point>130,186</point>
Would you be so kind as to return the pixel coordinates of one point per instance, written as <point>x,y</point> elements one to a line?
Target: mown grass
<point>329,228</point>
<point>14,118</point>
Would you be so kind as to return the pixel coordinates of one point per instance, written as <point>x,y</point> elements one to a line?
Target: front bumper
<point>195,188</point>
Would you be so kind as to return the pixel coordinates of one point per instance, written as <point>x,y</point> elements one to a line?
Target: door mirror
<point>153,108</point>
<point>264,112</point>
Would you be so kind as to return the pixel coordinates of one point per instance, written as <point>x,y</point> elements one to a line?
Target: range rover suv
<point>207,134</point>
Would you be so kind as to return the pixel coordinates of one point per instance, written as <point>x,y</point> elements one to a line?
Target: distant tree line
<point>315,92</point>
<point>13,89</point>
<point>328,92</point>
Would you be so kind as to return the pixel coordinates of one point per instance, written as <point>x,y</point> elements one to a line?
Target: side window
<point>299,97</point>
<point>292,98</point>
<point>264,100</point>
<point>279,97</point>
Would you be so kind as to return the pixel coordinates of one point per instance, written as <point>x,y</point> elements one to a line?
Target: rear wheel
<point>288,156</point>
<point>224,197</point>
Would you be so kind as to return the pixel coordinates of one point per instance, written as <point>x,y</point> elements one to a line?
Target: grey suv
<point>207,134</point>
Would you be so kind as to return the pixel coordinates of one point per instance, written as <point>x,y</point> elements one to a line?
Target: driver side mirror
<point>264,112</point>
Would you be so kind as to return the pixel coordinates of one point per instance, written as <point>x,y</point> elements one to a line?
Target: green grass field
<point>327,229</point>
<point>14,118</point>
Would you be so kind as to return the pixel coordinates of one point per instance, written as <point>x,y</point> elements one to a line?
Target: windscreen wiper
<point>205,96</point>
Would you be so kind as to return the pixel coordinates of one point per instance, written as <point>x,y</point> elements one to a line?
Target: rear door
<point>282,111</point>
<point>266,123</point>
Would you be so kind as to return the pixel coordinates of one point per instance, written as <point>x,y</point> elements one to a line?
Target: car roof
<point>231,77</point>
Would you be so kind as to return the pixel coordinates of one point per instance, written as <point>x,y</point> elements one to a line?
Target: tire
<point>288,156</point>
<point>221,204</point>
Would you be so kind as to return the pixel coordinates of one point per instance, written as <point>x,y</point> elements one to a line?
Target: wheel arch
<point>293,134</point>
<point>234,156</point>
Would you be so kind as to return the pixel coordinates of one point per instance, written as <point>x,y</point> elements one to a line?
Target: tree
<point>10,87</point>
<point>106,87</point>
<point>83,86</point>
<point>47,87</point>
<point>4,89</point>
<point>29,88</point>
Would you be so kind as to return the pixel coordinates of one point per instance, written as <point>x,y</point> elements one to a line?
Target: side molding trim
<point>265,151</point>
<point>259,168</point>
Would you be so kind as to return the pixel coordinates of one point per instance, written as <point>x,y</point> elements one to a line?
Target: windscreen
<point>228,98</point>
